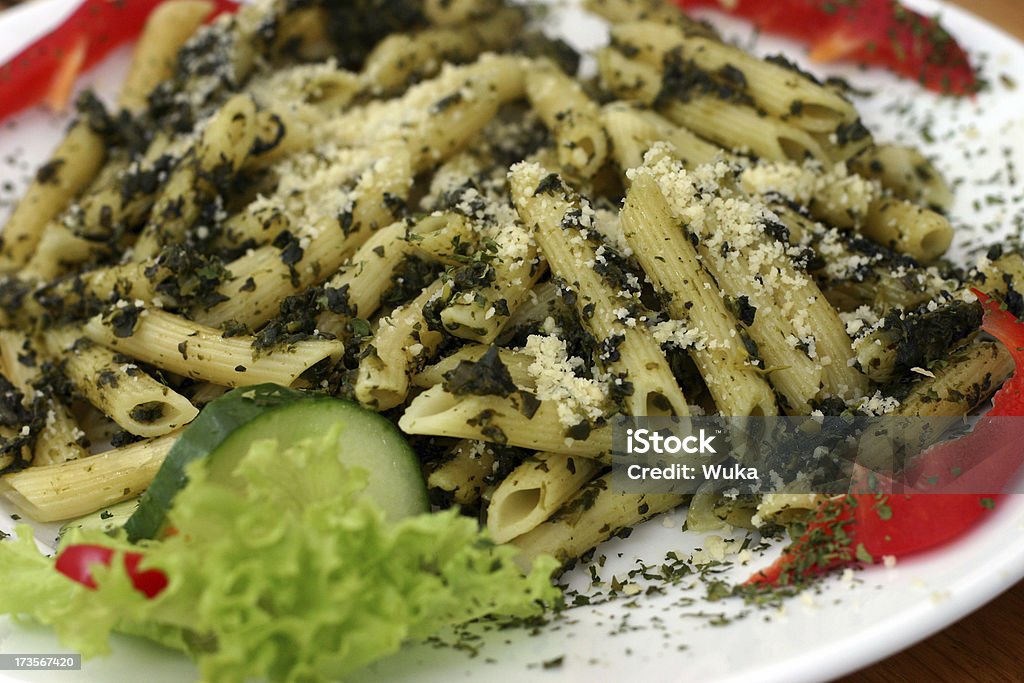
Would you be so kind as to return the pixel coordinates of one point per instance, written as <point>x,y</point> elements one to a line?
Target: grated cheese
<point>576,398</point>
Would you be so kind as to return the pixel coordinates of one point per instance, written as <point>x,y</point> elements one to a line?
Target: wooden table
<point>987,646</point>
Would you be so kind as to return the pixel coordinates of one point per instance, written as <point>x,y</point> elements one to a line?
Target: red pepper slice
<point>877,32</point>
<point>1001,324</point>
<point>76,562</point>
<point>866,527</point>
<point>79,43</point>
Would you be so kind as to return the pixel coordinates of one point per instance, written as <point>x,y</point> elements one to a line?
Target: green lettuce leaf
<point>292,576</point>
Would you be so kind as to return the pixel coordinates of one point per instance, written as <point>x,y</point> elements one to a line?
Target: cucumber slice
<point>106,520</point>
<point>227,427</point>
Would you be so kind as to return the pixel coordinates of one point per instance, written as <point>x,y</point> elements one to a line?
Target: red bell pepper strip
<point>946,500</point>
<point>1001,324</point>
<point>864,528</point>
<point>76,562</point>
<point>990,456</point>
<point>876,32</point>
<point>47,67</point>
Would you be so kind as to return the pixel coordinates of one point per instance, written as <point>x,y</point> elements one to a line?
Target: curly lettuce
<point>290,575</point>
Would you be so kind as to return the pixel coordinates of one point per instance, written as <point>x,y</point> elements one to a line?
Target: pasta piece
<point>402,340</point>
<point>172,343</point>
<point>628,79</point>
<point>906,172</point>
<point>300,30</point>
<point>269,274</point>
<point>435,119</point>
<point>733,126</point>
<point>968,379</point>
<point>674,266</point>
<point>227,139</point>
<point>464,471</point>
<point>749,265</point>
<point>999,275</point>
<point>437,412</point>
<point>573,119</point>
<point>460,115</point>
<point>783,93</point>
<point>120,389</point>
<point>480,313</point>
<point>712,511</point>
<point>908,229</point>
<point>282,132</point>
<point>443,237</point>
<point>15,440</point>
<point>259,224</point>
<point>454,12</point>
<point>851,277</point>
<point>517,363</point>
<point>740,128</point>
<point>633,131</point>
<point>892,347</point>
<point>62,296</point>
<point>72,167</point>
<point>15,447</point>
<point>534,491</point>
<point>634,358</point>
<point>616,11</point>
<point>52,493</point>
<point>222,149</point>
<point>596,513</point>
<point>401,59</point>
<point>881,292</point>
<point>367,275</point>
<point>206,392</point>
<point>542,301</point>
<point>168,27</point>
<point>831,194</point>
<point>60,438</point>
<point>785,508</point>
<point>58,249</point>
<point>957,387</point>
<point>323,86</point>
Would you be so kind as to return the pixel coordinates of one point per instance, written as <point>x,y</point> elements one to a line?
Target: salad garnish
<point>294,575</point>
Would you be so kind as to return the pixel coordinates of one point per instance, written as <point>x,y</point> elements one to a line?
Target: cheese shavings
<point>578,399</point>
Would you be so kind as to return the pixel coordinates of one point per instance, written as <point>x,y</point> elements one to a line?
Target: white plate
<point>844,625</point>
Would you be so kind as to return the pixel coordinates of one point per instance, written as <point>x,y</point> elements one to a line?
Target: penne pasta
<point>534,491</point>
<point>132,399</point>
<point>175,344</point>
